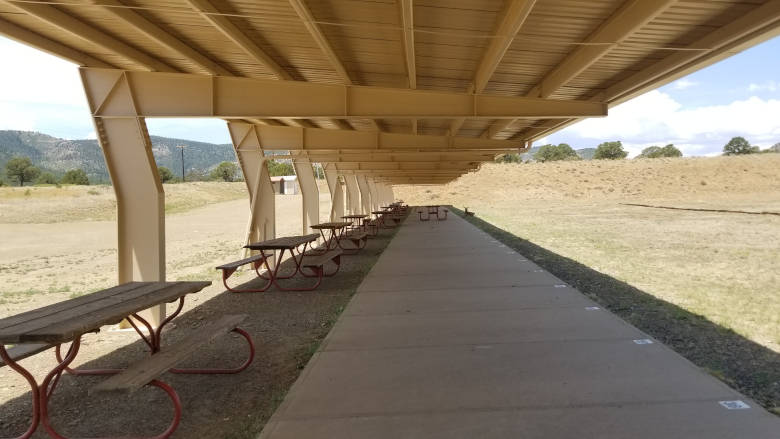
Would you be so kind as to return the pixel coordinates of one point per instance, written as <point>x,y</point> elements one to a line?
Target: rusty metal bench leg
<point>226,273</point>
<point>34,392</point>
<point>238,369</point>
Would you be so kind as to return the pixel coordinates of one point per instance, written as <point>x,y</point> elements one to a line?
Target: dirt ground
<point>286,327</point>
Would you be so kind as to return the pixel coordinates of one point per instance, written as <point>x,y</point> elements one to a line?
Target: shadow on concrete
<point>287,328</point>
<point>741,363</point>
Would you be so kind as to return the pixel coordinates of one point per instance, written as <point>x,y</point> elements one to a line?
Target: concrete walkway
<point>453,335</point>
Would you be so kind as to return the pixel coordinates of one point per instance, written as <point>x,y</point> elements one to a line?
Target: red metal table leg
<point>34,392</point>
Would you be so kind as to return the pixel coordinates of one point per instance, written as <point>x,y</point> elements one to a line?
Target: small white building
<point>285,184</point>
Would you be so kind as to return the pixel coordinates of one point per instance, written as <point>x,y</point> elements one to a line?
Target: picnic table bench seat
<point>315,261</point>
<point>150,368</point>
<point>228,269</point>
<point>20,352</point>
<point>356,237</point>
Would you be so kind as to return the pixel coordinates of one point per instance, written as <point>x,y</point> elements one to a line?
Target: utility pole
<point>181,147</point>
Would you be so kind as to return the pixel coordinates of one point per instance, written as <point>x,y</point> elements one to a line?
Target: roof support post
<point>262,208</point>
<point>353,194</point>
<point>336,191</point>
<point>309,193</point>
<point>365,195</point>
<point>140,197</point>
<point>374,191</point>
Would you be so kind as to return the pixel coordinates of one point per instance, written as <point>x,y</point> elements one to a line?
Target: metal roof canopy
<point>459,69</point>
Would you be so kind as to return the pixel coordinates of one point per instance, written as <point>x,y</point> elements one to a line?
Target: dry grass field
<point>723,266</point>
<point>61,242</point>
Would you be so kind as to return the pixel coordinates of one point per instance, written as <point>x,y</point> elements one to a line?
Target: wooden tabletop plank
<point>73,312</point>
<point>332,225</point>
<point>57,307</point>
<point>286,242</point>
<point>71,321</point>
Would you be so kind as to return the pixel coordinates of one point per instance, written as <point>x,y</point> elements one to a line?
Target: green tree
<point>165,174</point>
<point>46,178</point>
<point>225,171</point>
<point>22,169</point>
<point>610,151</point>
<point>739,146</point>
<point>512,157</point>
<point>652,152</point>
<point>75,176</point>
<point>551,153</point>
<point>280,168</point>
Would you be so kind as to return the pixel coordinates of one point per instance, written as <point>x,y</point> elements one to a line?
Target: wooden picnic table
<point>355,218</point>
<point>38,330</point>
<point>336,228</point>
<point>296,245</point>
<point>432,210</point>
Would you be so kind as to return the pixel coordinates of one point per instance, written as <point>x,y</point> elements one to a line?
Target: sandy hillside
<point>701,180</point>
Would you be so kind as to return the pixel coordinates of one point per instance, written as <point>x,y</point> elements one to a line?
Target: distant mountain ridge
<point>60,155</point>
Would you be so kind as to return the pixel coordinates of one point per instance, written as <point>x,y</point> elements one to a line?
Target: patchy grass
<point>51,204</point>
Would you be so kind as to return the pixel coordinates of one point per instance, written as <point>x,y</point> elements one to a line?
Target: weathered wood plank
<point>236,264</point>
<point>110,311</point>
<point>286,242</point>
<point>315,260</point>
<point>73,303</point>
<point>68,321</point>
<point>139,374</point>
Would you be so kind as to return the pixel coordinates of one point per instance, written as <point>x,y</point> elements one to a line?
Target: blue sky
<point>739,96</point>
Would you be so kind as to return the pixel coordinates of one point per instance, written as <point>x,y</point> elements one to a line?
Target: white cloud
<point>657,119</point>
<point>682,84</point>
<point>771,86</point>
<point>13,119</point>
<point>38,77</point>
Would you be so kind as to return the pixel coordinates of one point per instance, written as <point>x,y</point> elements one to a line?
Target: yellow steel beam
<point>407,36</point>
<point>396,157</point>
<point>52,47</point>
<point>632,15</point>
<point>757,25</point>
<point>86,31</point>
<point>294,138</point>
<point>314,29</point>
<point>407,26</point>
<point>156,33</point>
<point>189,95</point>
<point>514,16</point>
<point>230,30</point>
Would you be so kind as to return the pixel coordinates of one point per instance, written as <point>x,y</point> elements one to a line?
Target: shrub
<point>225,171</point>
<point>46,178</point>
<point>610,151</point>
<point>75,176</point>
<point>280,168</point>
<point>739,146</point>
<point>509,158</point>
<point>22,169</point>
<point>165,174</point>
<point>550,153</point>
<point>653,152</point>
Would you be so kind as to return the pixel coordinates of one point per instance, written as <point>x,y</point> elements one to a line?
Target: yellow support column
<point>309,192</point>
<point>365,195</point>
<point>262,208</point>
<point>353,194</point>
<point>336,191</point>
<point>140,198</point>
<point>373,190</point>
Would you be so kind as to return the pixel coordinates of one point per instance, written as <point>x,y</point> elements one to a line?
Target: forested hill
<point>60,155</point>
